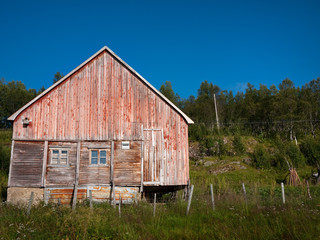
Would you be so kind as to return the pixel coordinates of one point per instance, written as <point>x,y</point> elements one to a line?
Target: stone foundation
<point>19,195</point>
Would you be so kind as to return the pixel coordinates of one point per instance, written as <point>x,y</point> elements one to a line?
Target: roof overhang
<point>187,119</point>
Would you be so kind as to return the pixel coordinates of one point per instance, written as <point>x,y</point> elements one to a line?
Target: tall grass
<point>232,219</point>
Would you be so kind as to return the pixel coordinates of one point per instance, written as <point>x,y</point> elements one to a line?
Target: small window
<point>59,157</point>
<point>125,145</point>
<point>98,157</point>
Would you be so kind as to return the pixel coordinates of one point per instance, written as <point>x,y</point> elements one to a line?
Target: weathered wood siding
<point>62,175</point>
<point>127,164</point>
<point>94,175</point>
<point>104,100</point>
<point>26,164</point>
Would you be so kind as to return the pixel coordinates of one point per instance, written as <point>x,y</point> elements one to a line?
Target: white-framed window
<point>125,145</point>
<point>99,157</point>
<point>59,156</point>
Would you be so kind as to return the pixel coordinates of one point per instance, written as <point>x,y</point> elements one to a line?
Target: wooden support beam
<point>75,193</point>
<point>11,160</point>
<point>142,159</point>
<point>111,163</point>
<point>44,164</point>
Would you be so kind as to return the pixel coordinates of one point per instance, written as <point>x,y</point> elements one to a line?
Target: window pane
<point>94,160</point>
<point>103,153</point>
<point>94,153</point>
<point>64,152</point>
<point>103,160</point>
<point>55,151</point>
<point>63,161</point>
<point>54,161</point>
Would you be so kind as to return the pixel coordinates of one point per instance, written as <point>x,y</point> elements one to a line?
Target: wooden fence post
<point>114,196</point>
<point>308,190</point>
<point>283,196</point>
<point>245,193</point>
<point>74,200</point>
<point>120,201</point>
<point>154,204</point>
<point>30,203</point>
<point>189,200</point>
<point>212,197</point>
<point>90,199</point>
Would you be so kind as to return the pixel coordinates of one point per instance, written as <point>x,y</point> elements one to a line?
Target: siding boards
<point>62,176</point>
<point>94,174</point>
<point>127,164</point>
<point>27,164</point>
<point>104,101</point>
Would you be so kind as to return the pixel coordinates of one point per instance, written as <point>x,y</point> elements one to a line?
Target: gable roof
<point>105,48</point>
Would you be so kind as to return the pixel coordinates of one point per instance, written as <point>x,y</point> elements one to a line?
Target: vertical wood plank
<point>112,163</point>
<point>11,161</point>
<point>76,176</point>
<point>142,160</point>
<point>44,164</point>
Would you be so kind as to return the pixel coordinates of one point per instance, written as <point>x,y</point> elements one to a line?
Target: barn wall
<point>65,175</point>
<point>91,175</point>
<point>26,165</point>
<point>127,164</point>
<point>105,101</point>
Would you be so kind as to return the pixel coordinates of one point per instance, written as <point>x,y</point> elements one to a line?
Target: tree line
<point>14,95</point>
<point>286,110</point>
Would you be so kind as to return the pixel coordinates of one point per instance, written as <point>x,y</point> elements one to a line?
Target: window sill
<point>54,165</point>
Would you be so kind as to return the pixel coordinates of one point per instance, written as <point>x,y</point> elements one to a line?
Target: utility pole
<point>215,106</point>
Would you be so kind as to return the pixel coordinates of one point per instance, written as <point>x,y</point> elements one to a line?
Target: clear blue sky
<point>228,43</point>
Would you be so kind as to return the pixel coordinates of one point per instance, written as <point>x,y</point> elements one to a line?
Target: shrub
<point>4,158</point>
<point>238,144</point>
<point>210,145</point>
<point>311,150</point>
<point>279,161</point>
<point>294,154</point>
<point>261,158</point>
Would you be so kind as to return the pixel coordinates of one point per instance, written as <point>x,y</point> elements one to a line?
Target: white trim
<point>98,158</point>
<point>188,120</point>
<point>59,157</point>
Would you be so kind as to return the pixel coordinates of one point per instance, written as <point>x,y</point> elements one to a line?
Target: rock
<point>194,151</point>
<point>208,163</point>
<point>243,167</point>
<point>199,162</point>
<point>222,170</point>
<point>247,161</point>
<point>236,163</point>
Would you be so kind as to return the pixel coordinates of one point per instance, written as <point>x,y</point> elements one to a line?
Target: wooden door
<point>153,157</point>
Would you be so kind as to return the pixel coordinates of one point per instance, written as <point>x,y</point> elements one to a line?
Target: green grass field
<point>263,217</point>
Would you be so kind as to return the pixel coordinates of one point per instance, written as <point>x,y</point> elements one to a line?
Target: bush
<point>210,145</point>
<point>4,158</point>
<point>261,158</point>
<point>197,132</point>
<point>296,157</point>
<point>311,150</point>
<point>238,144</point>
<point>279,161</point>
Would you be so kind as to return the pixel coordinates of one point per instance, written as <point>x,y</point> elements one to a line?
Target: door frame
<point>161,158</point>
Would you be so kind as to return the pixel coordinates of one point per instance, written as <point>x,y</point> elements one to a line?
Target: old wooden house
<point>102,125</point>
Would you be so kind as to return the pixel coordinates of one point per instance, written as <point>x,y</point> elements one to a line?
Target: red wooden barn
<point>100,126</point>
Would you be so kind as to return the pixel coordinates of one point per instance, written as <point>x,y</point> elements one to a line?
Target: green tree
<point>57,77</point>
<point>167,91</point>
